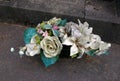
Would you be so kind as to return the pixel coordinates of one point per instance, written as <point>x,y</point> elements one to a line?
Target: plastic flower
<point>84,28</point>
<point>22,50</point>
<point>63,34</point>
<point>51,46</point>
<point>72,29</point>
<point>40,31</point>
<point>32,49</point>
<point>96,40</point>
<point>103,48</point>
<point>75,46</point>
<point>53,20</point>
<point>44,40</point>
<point>55,27</point>
<point>45,33</point>
<point>85,41</point>
<point>90,41</point>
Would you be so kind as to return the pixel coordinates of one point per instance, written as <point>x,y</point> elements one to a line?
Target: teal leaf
<point>91,52</point>
<point>47,26</point>
<point>63,22</point>
<point>58,22</point>
<point>55,32</point>
<point>106,53</point>
<point>28,34</point>
<point>48,61</point>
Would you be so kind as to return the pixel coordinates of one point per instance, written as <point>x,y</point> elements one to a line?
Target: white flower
<point>72,29</point>
<point>96,39</point>
<point>85,41</point>
<point>76,33</point>
<point>33,40</point>
<point>51,46</point>
<point>84,28</point>
<point>62,31</point>
<point>63,35</point>
<point>95,45</point>
<point>32,49</point>
<point>98,44</point>
<point>92,41</point>
<point>75,47</point>
<point>74,50</point>
<point>22,50</point>
<point>68,41</point>
<point>103,48</point>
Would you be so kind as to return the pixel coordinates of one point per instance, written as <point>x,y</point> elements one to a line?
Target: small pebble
<point>21,52</point>
<point>12,49</point>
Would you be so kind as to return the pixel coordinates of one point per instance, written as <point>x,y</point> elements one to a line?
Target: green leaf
<point>37,38</point>
<point>28,34</point>
<point>91,52</point>
<point>75,55</point>
<point>42,24</point>
<point>55,32</point>
<point>47,26</point>
<point>63,22</point>
<point>48,61</point>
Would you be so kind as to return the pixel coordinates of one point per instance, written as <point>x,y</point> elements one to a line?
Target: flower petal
<point>74,50</point>
<point>104,46</point>
<point>32,49</point>
<point>81,52</point>
<point>85,24</point>
<point>95,45</point>
<point>89,31</point>
<point>67,42</point>
<point>95,37</point>
<point>85,41</point>
<point>33,40</point>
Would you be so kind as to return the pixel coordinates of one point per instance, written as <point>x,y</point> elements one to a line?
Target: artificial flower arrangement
<point>48,38</point>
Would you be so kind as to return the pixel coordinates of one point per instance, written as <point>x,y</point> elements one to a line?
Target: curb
<point>107,30</point>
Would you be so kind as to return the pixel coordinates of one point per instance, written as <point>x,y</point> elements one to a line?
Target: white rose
<point>51,46</point>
